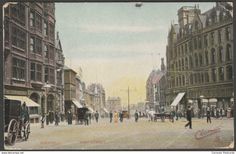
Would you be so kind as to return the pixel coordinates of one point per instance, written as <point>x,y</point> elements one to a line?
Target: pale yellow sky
<point>117,74</point>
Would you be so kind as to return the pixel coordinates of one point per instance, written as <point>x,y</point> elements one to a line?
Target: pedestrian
<point>217,113</point>
<point>221,113</point>
<point>136,116</point>
<point>96,116</point>
<point>42,120</point>
<point>69,117</point>
<point>208,115</point>
<point>172,115</point>
<point>90,117</point>
<point>86,118</point>
<point>121,116</point>
<point>111,116</point>
<point>115,117</point>
<point>189,117</point>
<point>57,118</point>
<point>47,119</point>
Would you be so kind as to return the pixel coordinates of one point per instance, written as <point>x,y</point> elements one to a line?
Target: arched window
<point>191,79</point>
<point>221,73</point>
<point>206,77</point>
<point>200,60</point>
<point>220,54</point>
<point>206,58</point>
<point>228,52</point>
<point>213,56</point>
<point>191,62</point>
<point>196,60</point>
<point>229,72</point>
<point>221,16</point>
<point>183,64</point>
<point>186,63</point>
<point>213,75</point>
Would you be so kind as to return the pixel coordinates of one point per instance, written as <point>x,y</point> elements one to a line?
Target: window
<point>229,72</point>
<point>190,46</point>
<point>213,75</point>
<point>36,72</point>
<point>195,43</point>
<point>228,52</point>
<point>205,41</point>
<point>18,13</point>
<point>32,71</point>
<point>45,28</point>
<point>227,34</point>
<point>46,51</point>
<point>221,73</point>
<point>51,53</point>
<point>51,31</point>
<point>186,63</point>
<point>191,79</point>
<point>221,54</point>
<point>213,56</point>
<point>200,60</point>
<point>32,19</point>
<point>39,72</point>
<point>206,57</point>
<point>190,62</point>
<point>32,44</point>
<point>46,74</point>
<point>206,77</point>
<point>183,80</point>
<point>219,36</point>
<point>38,46</point>
<point>18,68</point>
<point>196,60</point>
<point>18,38</point>
<point>199,42</point>
<point>212,38</point>
<point>38,22</point>
<point>186,48</point>
<point>51,76</point>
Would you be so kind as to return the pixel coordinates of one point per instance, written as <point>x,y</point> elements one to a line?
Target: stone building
<point>199,58</point>
<point>30,63</point>
<point>114,104</point>
<point>99,99</point>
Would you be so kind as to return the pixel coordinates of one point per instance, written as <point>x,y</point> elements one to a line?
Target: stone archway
<point>50,102</point>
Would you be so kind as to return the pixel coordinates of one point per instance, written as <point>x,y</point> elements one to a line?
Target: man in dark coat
<point>57,118</point>
<point>189,117</point>
<point>69,117</point>
<point>86,118</point>
<point>121,116</point>
<point>208,115</point>
<point>96,116</point>
<point>111,116</point>
<point>136,116</point>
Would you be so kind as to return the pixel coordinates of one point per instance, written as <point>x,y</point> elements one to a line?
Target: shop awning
<point>105,110</point>
<point>177,99</point>
<point>204,100</point>
<point>77,104</point>
<point>90,109</point>
<point>29,102</point>
<point>212,100</point>
<point>232,100</point>
<point>190,101</point>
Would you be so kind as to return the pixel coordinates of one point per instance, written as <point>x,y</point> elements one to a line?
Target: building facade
<point>199,57</point>
<point>114,104</point>
<point>29,54</point>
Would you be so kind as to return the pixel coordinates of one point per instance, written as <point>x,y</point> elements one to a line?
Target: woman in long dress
<point>116,117</point>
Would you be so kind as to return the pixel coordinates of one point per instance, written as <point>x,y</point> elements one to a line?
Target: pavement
<point>130,135</point>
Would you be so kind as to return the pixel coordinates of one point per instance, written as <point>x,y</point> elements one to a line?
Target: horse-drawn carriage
<point>81,114</point>
<point>15,127</point>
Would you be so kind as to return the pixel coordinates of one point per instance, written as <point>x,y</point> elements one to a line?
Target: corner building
<point>199,58</point>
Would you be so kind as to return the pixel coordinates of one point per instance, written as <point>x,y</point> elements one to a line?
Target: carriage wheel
<point>27,131</point>
<point>12,132</point>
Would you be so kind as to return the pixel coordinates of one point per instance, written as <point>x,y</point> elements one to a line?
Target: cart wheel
<point>27,131</point>
<point>12,132</point>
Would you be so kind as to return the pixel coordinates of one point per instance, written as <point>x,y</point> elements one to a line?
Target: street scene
<point>87,76</point>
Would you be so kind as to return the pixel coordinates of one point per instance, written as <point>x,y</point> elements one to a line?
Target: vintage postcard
<point>118,75</point>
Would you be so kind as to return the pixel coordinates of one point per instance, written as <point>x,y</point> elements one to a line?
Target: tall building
<point>30,51</point>
<point>155,88</point>
<point>199,58</point>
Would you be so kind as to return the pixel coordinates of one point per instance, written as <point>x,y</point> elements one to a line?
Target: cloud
<point>97,28</point>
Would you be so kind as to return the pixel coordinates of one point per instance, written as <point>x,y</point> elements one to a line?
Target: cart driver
<point>24,113</point>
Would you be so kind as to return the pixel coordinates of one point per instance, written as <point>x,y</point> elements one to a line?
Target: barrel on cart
<point>15,127</point>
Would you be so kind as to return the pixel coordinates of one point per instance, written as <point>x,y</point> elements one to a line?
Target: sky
<point>117,44</point>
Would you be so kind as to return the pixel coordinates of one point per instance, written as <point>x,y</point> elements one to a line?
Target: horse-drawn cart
<point>15,127</point>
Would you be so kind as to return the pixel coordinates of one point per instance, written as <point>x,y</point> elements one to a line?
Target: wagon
<point>14,127</point>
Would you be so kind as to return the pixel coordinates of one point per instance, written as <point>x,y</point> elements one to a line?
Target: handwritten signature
<point>204,133</point>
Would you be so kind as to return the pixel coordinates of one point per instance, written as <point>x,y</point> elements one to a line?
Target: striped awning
<point>77,104</point>
<point>177,99</point>
<point>212,100</point>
